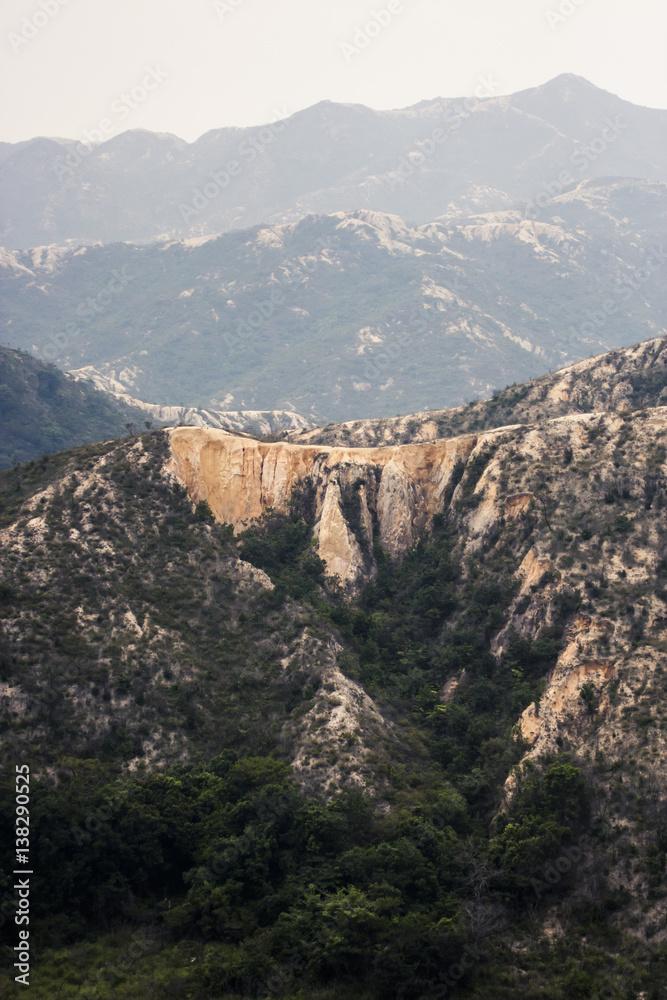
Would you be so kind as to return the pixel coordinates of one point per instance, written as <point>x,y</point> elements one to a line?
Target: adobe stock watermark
<point>96,818</point>
<point>564,863</point>
<point>425,148</point>
<point>628,982</point>
<point>110,976</point>
<point>121,109</point>
<point>268,814</point>
<point>31,26</point>
<point>87,310</point>
<point>219,180</point>
<point>439,988</point>
<point>565,10</point>
<point>224,7</point>
<point>365,33</point>
<point>266,308</point>
<point>624,291</point>
<point>581,158</point>
<point>380,364</point>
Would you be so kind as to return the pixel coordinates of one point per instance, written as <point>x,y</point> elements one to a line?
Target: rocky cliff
<point>531,623</point>
<point>356,492</point>
<point>574,507</point>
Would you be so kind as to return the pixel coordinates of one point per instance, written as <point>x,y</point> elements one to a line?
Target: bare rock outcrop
<point>357,491</point>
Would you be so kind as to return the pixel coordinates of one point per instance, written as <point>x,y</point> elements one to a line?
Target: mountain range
<point>330,720</point>
<point>440,157</point>
<point>354,314</point>
<point>44,410</point>
<point>357,264</point>
<point>307,698</point>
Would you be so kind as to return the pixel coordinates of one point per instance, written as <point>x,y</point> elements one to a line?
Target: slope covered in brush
<point>245,783</point>
<point>620,381</point>
<point>42,410</point>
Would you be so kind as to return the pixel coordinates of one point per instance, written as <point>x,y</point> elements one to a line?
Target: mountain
<point>340,721</point>
<point>355,314</point>
<point>44,410</point>
<point>460,155</point>
<point>628,379</point>
<point>260,422</point>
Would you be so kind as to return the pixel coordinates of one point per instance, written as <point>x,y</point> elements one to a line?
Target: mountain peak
<point>567,86</point>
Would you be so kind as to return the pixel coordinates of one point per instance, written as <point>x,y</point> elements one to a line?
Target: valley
<point>333,519</point>
<point>469,631</point>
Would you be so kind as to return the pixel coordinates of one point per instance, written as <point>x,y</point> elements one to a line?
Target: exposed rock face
<point>262,422</point>
<point>581,498</point>
<point>343,717</point>
<point>394,491</point>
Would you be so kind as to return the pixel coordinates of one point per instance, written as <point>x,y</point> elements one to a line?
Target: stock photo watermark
<point>424,149</point>
<point>620,989</point>
<point>219,180</point>
<point>31,26</point>
<point>22,885</point>
<point>268,814</point>
<point>365,33</point>
<point>624,292</point>
<point>561,13</point>
<point>224,7</point>
<point>568,859</point>
<point>379,366</point>
<point>110,976</point>
<point>582,158</point>
<point>121,109</point>
<point>266,308</point>
<point>87,310</point>
<point>439,988</point>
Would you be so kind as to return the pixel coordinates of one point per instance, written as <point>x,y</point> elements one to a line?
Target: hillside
<point>43,410</point>
<point>444,156</point>
<point>628,379</point>
<point>442,769</point>
<point>260,422</point>
<point>354,314</point>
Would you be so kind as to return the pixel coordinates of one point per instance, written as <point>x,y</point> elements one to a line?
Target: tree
<point>587,694</point>
<point>203,511</point>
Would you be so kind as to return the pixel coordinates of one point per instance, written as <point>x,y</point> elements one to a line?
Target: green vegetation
<point>42,410</point>
<point>161,697</point>
<point>292,302</point>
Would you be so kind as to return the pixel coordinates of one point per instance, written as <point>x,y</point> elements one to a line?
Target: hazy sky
<point>186,66</point>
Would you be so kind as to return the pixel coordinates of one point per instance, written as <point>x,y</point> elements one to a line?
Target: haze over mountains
<point>440,156</point>
<point>353,314</point>
<point>326,715</point>
<point>395,261</point>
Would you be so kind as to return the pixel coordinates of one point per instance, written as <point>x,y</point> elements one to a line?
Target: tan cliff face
<point>395,490</point>
<point>581,501</point>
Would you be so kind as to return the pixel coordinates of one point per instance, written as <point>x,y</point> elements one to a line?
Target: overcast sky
<point>187,66</point>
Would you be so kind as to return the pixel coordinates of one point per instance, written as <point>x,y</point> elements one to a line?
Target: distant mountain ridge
<point>260,422</point>
<point>44,410</point>
<point>440,156</point>
<point>354,314</point>
<point>620,381</point>
<point>254,783</point>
